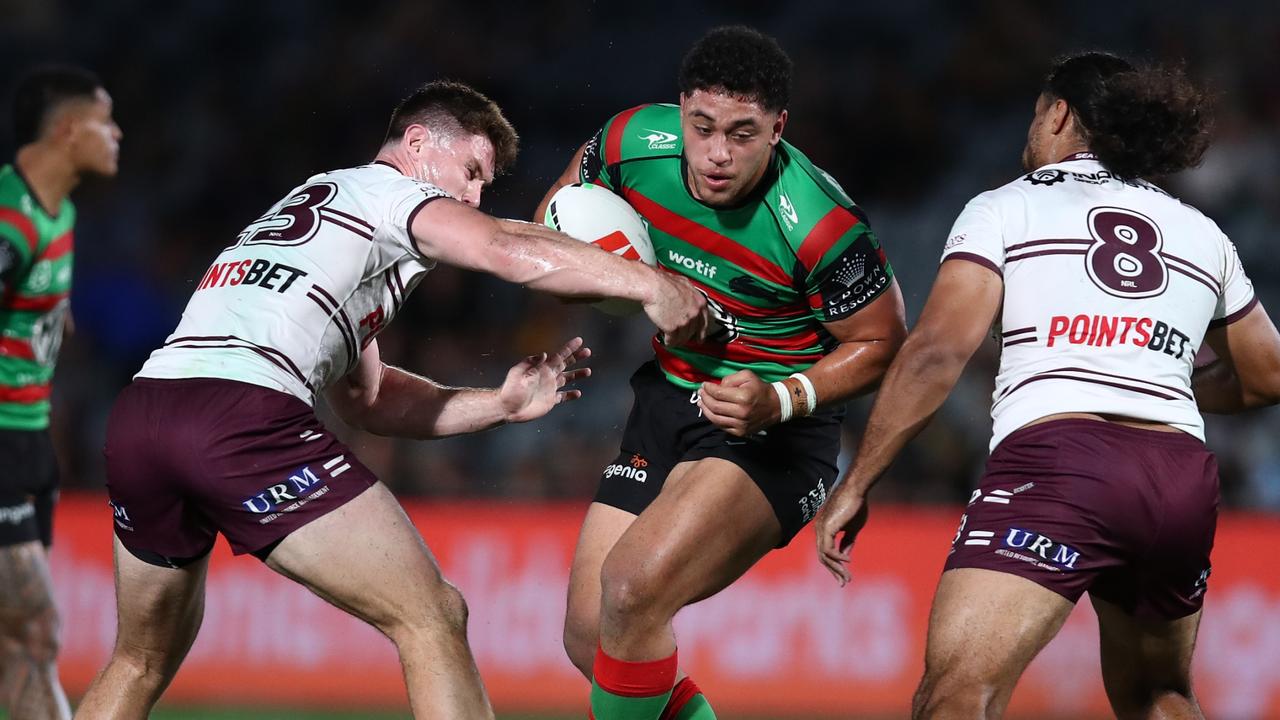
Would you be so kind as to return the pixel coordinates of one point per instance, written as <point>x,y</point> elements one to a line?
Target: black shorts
<point>794,464</point>
<point>28,487</point>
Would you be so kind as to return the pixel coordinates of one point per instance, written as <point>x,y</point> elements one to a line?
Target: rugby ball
<point>593,214</point>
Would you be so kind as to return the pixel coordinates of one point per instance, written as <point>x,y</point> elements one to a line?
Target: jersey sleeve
<point>1237,297</point>
<point>403,201</point>
<point>593,168</point>
<point>846,267</point>
<point>978,235</point>
<point>19,235</point>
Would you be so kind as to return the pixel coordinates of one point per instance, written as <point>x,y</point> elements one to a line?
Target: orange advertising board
<point>784,640</point>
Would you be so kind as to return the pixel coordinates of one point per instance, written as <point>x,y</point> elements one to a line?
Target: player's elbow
<point>1264,390</point>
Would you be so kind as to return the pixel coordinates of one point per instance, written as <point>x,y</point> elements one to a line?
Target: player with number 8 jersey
<point>1102,288</point>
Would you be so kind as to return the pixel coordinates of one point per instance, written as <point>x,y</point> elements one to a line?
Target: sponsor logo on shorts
<point>15,514</point>
<point>301,487</point>
<point>811,502</point>
<point>1202,583</point>
<point>120,514</point>
<point>1042,551</point>
<point>634,469</point>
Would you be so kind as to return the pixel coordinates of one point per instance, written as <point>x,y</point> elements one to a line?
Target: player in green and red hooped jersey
<point>64,131</point>
<point>722,194</point>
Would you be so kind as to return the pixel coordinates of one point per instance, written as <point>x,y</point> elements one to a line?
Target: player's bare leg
<point>678,551</point>
<point>29,623</point>
<point>158,612</point>
<point>706,528</point>
<point>1146,665</point>
<point>985,628</point>
<point>368,559</point>
<point>601,528</point>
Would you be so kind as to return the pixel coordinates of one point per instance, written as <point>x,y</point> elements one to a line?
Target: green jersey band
<point>36,286</point>
<point>797,254</point>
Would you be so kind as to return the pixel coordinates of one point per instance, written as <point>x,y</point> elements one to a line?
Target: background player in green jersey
<point>731,446</point>
<point>64,130</point>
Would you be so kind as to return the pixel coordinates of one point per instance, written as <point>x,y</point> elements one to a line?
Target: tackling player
<point>730,447</point>
<point>217,432</point>
<point>1102,287</point>
<point>64,131</point>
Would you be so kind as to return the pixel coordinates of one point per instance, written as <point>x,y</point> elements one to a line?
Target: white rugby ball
<point>594,214</point>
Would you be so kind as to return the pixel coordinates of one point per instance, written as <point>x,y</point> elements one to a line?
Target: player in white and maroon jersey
<point>1102,288</point>
<point>217,433</point>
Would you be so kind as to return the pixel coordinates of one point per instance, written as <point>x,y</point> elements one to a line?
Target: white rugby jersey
<point>1109,288</point>
<point>305,287</point>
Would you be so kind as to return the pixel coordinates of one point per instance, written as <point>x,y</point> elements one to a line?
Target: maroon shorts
<point>187,459</point>
<point>1076,505</point>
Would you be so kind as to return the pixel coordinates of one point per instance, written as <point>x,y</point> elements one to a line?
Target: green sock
<point>625,690</point>
<point>607,706</point>
<point>696,709</point>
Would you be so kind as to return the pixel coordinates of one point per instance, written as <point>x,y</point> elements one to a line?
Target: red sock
<point>634,679</point>
<point>684,691</point>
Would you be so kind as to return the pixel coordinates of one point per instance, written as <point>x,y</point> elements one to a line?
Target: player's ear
<point>1060,116</point>
<point>416,137</point>
<point>778,125</point>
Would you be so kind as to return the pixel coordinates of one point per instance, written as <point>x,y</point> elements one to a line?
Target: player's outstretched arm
<point>386,400</point>
<point>743,404</point>
<point>1246,373</point>
<point>543,259</point>
<point>956,319</point>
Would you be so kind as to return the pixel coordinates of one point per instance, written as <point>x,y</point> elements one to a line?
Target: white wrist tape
<point>809,390</point>
<point>784,400</point>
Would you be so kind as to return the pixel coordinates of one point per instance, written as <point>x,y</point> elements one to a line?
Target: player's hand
<point>741,404</point>
<point>844,512</point>
<point>678,309</point>
<point>536,384</point>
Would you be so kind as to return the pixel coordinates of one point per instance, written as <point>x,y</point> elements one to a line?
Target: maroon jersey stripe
<point>60,246</point>
<point>22,224</point>
<point>678,366</point>
<point>36,303</point>
<point>829,229</point>
<point>613,143</point>
<point>13,347</point>
<point>706,239</point>
<point>24,393</point>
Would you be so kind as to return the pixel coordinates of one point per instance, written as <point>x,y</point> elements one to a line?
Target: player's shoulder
<point>805,199</point>
<point>14,193</point>
<point>801,177</point>
<point>642,132</point>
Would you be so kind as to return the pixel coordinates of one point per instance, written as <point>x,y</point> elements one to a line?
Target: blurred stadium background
<point>914,106</point>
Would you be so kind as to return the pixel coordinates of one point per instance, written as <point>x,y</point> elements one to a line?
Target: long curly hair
<point>1141,122</point>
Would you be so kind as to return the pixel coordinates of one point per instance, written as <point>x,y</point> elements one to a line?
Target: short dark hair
<point>445,103</point>
<point>1141,121</point>
<point>41,91</point>
<point>741,62</point>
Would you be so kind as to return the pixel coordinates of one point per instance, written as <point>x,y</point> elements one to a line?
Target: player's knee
<point>442,609</point>
<point>626,593</point>
<point>37,640</point>
<point>580,640</point>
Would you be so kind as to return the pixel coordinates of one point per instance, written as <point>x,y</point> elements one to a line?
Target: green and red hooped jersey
<point>35,288</point>
<point>797,254</point>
